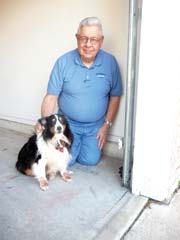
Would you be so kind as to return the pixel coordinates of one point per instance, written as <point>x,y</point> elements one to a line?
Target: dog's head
<point>56,126</point>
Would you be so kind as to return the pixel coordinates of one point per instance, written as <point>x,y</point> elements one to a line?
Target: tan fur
<point>28,172</point>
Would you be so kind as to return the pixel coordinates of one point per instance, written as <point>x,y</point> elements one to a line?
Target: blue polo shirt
<point>83,93</point>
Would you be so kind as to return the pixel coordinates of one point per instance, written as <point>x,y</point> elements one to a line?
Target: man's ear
<point>102,40</point>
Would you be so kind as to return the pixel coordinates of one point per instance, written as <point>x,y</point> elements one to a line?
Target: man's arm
<point>47,108</point>
<point>112,108</point>
<point>111,113</point>
<point>48,105</point>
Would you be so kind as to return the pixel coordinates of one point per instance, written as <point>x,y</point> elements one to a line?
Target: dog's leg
<point>40,174</point>
<point>43,183</point>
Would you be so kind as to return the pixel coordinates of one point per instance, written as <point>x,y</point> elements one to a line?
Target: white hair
<point>90,21</point>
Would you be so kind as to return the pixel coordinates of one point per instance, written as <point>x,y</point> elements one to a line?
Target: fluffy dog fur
<point>47,153</point>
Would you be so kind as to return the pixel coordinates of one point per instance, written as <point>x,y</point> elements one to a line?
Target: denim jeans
<point>84,149</point>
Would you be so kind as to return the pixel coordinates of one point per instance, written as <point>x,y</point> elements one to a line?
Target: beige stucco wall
<point>34,33</point>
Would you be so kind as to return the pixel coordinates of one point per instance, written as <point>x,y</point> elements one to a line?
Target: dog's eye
<point>60,119</point>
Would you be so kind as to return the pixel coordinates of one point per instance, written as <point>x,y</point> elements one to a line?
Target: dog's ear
<point>42,121</point>
<point>68,133</point>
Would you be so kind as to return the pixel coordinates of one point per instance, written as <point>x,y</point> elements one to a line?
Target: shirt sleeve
<point>117,87</point>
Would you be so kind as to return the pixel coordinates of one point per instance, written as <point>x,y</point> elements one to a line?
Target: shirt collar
<point>97,61</point>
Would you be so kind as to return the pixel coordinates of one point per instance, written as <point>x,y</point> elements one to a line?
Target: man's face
<point>89,41</point>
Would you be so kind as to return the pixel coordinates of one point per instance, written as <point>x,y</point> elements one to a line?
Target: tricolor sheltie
<point>46,153</point>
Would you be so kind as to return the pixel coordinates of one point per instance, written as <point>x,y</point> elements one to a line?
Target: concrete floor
<point>158,222</point>
<point>80,210</point>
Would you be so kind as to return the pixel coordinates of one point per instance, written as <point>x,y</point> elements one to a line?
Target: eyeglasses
<point>84,40</point>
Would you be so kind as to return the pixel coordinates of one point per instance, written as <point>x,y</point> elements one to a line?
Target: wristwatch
<point>107,122</point>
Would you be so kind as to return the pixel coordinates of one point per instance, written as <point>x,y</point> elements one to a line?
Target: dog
<point>48,152</point>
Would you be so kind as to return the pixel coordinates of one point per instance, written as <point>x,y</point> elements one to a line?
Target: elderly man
<point>86,85</point>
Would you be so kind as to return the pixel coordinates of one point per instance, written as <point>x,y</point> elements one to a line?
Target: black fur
<point>29,154</point>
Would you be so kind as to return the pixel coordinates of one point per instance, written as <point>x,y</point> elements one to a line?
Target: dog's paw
<point>43,184</point>
<point>67,176</point>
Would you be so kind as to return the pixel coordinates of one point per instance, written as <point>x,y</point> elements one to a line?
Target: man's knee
<point>89,160</point>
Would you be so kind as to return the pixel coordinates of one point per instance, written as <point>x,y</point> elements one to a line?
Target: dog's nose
<point>59,128</point>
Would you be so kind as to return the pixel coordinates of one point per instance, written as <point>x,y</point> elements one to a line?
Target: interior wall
<point>35,33</point>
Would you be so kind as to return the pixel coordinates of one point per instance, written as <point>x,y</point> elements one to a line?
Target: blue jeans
<point>84,149</point>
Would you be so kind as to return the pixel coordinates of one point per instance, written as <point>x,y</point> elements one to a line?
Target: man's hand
<point>38,128</point>
<point>102,135</point>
